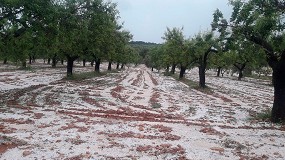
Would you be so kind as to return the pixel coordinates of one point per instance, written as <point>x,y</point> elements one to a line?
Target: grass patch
<point>85,75</point>
<point>114,71</point>
<point>260,77</point>
<point>167,74</point>
<point>193,84</point>
<point>156,105</point>
<point>27,68</point>
<point>263,116</point>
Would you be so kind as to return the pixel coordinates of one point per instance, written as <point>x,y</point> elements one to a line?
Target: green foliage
<point>259,23</point>
<point>57,29</point>
<point>174,45</point>
<point>129,55</point>
<point>253,32</point>
<point>19,22</point>
<point>201,43</point>
<point>154,58</point>
<point>221,60</point>
<point>143,50</point>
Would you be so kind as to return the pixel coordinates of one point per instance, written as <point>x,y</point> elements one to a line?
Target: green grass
<point>27,68</point>
<point>156,105</point>
<point>85,75</point>
<point>265,116</point>
<point>260,77</point>
<point>192,84</point>
<point>167,74</point>
<point>262,116</point>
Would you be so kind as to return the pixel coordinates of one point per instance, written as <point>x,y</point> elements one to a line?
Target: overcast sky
<point>147,19</point>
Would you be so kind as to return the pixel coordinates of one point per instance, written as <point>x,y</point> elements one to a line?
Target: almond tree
<point>72,32</point>
<point>174,41</point>
<point>85,28</point>
<point>122,38</point>
<point>243,55</point>
<point>204,45</point>
<point>19,21</point>
<point>261,23</point>
<point>102,25</point>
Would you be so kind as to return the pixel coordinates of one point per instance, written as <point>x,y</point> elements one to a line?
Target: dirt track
<point>134,114</point>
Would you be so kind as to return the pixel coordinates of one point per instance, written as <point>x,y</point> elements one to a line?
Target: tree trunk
<point>97,65</point>
<point>122,66</point>
<point>92,63</point>
<point>240,67</point>
<point>219,71</point>
<point>54,61</point>
<point>30,59</point>
<point>202,68</point>
<point>48,61</point>
<point>223,72</point>
<point>5,61</point>
<point>118,66</point>
<point>70,61</point>
<point>69,66</point>
<point>84,62</point>
<point>182,72</point>
<point>202,77</point>
<point>278,110</point>
<point>152,69</point>
<point>62,62</point>
<point>110,66</point>
<point>24,64</point>
<point>173,69</point>
<point>34,59</point>
<point>167,69</point>
<point>240,74</point>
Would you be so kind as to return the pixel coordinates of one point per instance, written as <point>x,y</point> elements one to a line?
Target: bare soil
<point>134,114</point>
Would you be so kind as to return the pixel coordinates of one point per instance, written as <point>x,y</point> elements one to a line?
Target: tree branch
<point>280,5</point>
<point>271,57</point>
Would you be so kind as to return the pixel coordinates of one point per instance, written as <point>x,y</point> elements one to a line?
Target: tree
<point>155,58</point>
<point>85,30</point>
<point>19,21</point>
<point>143,49</point>
<point>72,33</point>
<point>220,61</point>
<point>187,58</point>
<point>117,44</point>
<point>204,44</point>
<point>244,55</point>
<point>102,25</point>
<point>262,24</point>
<point>174,41</point>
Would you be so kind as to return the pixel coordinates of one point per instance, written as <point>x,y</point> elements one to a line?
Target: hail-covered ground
<point>133,114</point>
